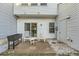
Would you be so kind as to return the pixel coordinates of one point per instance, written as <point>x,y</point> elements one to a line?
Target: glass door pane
<point>34,30</point>
<point>27,29</point>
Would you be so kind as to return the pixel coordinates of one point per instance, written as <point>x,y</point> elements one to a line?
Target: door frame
<point>30,30</point>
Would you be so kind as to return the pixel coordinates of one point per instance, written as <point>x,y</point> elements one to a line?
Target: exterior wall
<point>7,20</point>
<point>50,9</point>
<point>36,12</point>
<point>69,28</point>
<point>43,30</point>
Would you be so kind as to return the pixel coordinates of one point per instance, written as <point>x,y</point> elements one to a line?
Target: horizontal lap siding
<point>7,20</point>
<point>71,10</point>
<point>41,30</point>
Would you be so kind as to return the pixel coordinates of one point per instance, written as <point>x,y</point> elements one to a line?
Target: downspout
<point>56,27</point>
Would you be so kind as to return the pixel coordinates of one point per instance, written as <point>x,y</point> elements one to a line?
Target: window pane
<point>27,26</point>
<point>51,24</point>
<point>34,4</point>
<point>43,4</point>
<point>24,4</point>
<point>51,27</point>
<point>51,30</point>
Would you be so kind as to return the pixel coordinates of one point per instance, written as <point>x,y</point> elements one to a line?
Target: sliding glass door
<point>34,29</point>
<point>27,29</point>
<point>30,29</point>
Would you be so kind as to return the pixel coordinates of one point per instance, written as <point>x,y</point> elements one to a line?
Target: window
<point>51,27</point>
<point>34,4</point>
<point>27,27</point>
<point>43,4</point>
<point>24,4</point>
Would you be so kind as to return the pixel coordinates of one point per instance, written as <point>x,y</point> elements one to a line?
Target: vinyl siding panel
<point>50,9</point>
<point>42,31</point>
<point>7,20</point>
<point>72,24</point>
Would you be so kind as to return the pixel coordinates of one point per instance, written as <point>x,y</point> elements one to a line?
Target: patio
<point>25,48</point>
<point>41,48</point>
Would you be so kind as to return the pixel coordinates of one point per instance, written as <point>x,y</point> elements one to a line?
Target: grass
<point>9,53</point>
<point>38,54</point>
<point>30,54</point>
<point>27,54</point>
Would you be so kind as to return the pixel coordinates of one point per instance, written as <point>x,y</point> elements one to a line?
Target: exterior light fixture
<point>18,4</point>
<point>68,17</point>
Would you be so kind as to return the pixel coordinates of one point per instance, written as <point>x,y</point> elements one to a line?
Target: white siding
<point>7,20</point>
<point>50,9</point>
<point>43,30</point>
<point>72,24</point>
